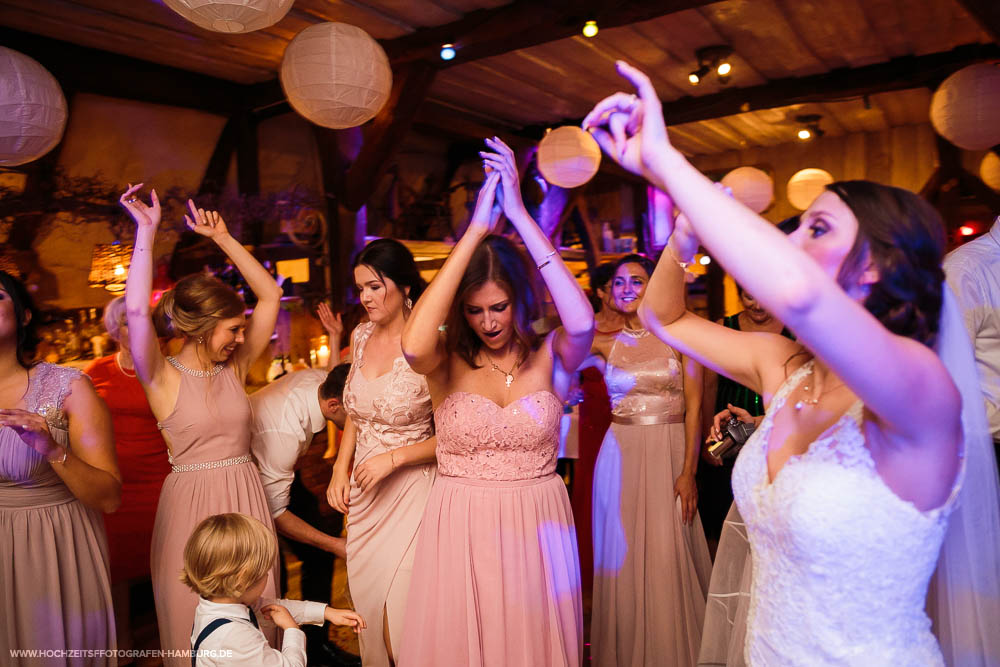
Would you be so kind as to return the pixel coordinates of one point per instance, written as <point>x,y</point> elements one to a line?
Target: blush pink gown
<point>496,579</point>
<point>209,430</point>
<point>389,411</point>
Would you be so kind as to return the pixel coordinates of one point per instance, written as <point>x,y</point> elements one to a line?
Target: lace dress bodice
<point>20,465</point>
<point>390,411</point>
<point>478,439</point>
<point>644,376</point>
<point>841,564</point>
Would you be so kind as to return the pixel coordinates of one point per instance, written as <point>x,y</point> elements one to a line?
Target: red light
<point>966,230</point>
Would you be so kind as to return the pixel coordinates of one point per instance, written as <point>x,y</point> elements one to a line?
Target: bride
<point>847,486</point>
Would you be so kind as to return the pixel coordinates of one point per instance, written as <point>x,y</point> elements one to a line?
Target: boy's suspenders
<point>206,631</point>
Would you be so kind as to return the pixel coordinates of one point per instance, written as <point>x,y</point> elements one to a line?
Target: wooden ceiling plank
<point>836,33</point>
<point>986,13</point>
<point>629,45</point>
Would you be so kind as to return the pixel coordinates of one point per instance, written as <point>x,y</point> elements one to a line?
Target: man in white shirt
<point>287,414</point>
<point>973,271</point>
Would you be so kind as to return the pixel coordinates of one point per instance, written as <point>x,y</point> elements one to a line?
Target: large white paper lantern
<point>964,108</point>
<point>804,186</point>
<point>231,15</point>
<point>568,157</point>
<point>989,170</point>
<point>751,186</point>
<point>336,75</point>
<point>32,109</point>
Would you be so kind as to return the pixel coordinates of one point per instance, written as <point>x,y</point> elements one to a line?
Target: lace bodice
<point>48,388</point>
<point>840,563</point>
<point>478,439</point>
<point>390,411</point>
<point>644,376</point>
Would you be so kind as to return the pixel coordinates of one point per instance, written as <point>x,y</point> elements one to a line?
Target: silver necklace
<point>118,360</point>
<point>812,402</point>
<point>190,371</point>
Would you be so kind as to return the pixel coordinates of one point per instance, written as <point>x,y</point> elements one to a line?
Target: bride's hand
<point>485,218</point>
<point>504,163</point>
<point>631,129</point>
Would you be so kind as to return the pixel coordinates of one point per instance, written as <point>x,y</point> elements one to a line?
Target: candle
<point>323,356</point>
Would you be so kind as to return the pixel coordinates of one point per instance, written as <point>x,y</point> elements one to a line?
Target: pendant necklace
<point>812,402</point>
<point>508,376</point>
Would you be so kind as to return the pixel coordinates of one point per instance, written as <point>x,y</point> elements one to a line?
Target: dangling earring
<point>201,340</point>
<point>408,303</point>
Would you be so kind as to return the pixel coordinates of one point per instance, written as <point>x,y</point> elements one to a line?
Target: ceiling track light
<point>712,58</point>
<point>590,29</point>
<point>447,51</point>
<point>810,126</point>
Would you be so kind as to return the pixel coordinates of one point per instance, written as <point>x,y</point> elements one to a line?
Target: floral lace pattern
<point>644,376</point>
<point>48,389</point>
<point>479,439</point>
<point>390,411</point>
<point>841,564</point>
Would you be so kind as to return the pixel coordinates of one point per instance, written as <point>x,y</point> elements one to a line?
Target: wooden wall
<point>902,156</point>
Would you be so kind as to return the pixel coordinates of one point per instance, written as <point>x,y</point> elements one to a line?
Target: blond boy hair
<point>227,554</point>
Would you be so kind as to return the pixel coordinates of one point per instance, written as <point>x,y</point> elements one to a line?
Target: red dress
<point>142,460</point>
<point>595,418</point>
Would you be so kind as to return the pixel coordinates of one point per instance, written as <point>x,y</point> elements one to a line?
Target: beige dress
<point>390,411</point>
<point>651,571</point>
<point>55,590</point>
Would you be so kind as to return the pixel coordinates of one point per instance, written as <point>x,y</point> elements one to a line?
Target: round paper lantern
<point>989,170</point>
<point>568,157</point>
<point>32,109</point>
<point>751,186</point>
<point>804,186</point>
<point>964,107</point>
<point>336,75</point>
<point>231,15</point>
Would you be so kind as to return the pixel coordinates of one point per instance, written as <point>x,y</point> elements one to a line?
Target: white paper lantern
<point>32,109</point>
<point>804,186</point>
<point>751,186</point>
<point>989,170</point>
<point>231,15</point>
<point>336,75</point>
<point>568,157</point>
<point>964,108</point>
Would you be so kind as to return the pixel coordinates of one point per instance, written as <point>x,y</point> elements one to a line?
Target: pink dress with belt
<point>496,578</point>
<point>213,473</point>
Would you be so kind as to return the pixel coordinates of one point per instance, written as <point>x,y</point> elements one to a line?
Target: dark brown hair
<point>906,240</point>
<point>389,258</point>
<point>496,259</point>
<point>26,333</point>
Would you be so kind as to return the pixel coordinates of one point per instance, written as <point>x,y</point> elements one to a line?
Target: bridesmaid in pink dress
<point>496,578</point>
<point>199,400</point>
<point>389,434</point>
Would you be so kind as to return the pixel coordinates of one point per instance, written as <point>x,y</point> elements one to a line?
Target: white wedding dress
<point>841,564</point>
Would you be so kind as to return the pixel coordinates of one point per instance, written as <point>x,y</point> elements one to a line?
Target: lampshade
<point>231,15</point>
<point>109,266</point>
<point>751,186</point>
<point>804,186</point>
<point>32,109</point>
<point>989,170</point>
<point>964,108</point>
<point>336,75</point>
<point>568,157</point>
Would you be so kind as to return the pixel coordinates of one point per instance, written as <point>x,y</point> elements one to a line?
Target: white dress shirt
<point>286,415</point>
<point>973,271</point>
<point>240,643</point>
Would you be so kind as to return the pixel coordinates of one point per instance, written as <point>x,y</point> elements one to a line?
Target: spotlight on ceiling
<point>712,58</point>
<point>810,126</point>
<point>590,28</point>
<point>447,51</point>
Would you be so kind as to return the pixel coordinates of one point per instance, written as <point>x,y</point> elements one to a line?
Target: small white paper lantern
<point>336,75</point>
<point>32,109</point>
<point>964,108</point>
<point>804,186</point>
<point>568,157</point>
<point>989,170</point>
<point>751,186</point>
<point>231,15</point>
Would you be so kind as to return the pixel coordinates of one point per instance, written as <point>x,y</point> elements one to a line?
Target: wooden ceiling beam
<point>87,70</point>
<point>523,24</point>
<point>986,13</point>
<point>836,85</point>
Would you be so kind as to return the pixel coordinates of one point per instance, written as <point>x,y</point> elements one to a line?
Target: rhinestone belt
<point>211,465</point>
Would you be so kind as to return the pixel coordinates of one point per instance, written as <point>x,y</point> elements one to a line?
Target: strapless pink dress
<point>496,577</point>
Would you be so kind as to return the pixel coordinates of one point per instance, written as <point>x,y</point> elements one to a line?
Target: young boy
<point>226,561</point>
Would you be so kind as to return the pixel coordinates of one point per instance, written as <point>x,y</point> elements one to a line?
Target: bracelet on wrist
<point>547,259</point>
<point>392,458</point>
<point>61,460</point>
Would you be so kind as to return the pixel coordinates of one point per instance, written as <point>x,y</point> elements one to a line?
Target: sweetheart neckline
<point>504,407</point>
